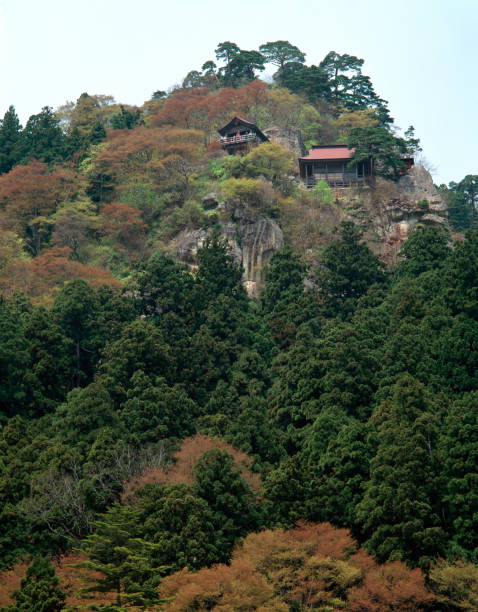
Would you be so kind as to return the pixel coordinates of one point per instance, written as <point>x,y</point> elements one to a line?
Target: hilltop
<point>93,188</point>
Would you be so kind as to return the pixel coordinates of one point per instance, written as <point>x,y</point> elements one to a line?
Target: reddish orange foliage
<point>184,460</point>
<point>221,587</point>
<point>208,110</point>
<point>31,190</point>
<point>123,225</point>
<point>42,277</point>
<point>307,568</point>
<point>143,151</point>
<point>391,587</point>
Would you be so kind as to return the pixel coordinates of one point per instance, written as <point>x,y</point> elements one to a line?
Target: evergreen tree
<point>341,475</point>
<point>51,358</point>
<point>126,119</point>
<point>97,133</point>
<point>123,559</point>
<point>181,525</point>
<point>10,140</point>
<point>425,249</point>
<point>218,273</point>
<point>77,312</point>
<point>399,511</point>
<point>378,144</point>
<point>43,137</point>
<point>154,411</point>
<point>280,53</point>
<point>15,376</point>
<point>463,202</point>
<point>285,299</point>
<point>39,590</point>
<point>350,268</point>
<point>459,451</point>
<point>220,483</point>
<point>74,143</point>
<point>310,81</point>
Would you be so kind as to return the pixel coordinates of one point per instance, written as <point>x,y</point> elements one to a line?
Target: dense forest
<point>169,443</point>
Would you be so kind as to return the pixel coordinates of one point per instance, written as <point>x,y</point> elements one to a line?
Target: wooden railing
<point>335,181</point>
<point>237,139</point>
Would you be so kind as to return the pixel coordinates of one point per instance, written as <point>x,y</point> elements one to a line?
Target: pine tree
<point>399,510</point>
<point>350,268</point>
<point>459,448</point>
<point>10,140</point>
<point>123,559</point>
<point>227,493</point>
<point>40,589</point>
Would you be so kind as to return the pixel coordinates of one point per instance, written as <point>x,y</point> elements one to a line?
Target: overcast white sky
<point>421,54</point>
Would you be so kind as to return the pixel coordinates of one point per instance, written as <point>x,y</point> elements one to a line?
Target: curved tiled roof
<point>243,122</point>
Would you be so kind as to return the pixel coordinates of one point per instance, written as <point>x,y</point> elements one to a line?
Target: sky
<point>420,54</point>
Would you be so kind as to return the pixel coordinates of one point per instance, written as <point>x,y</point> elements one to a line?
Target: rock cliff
<point>253,239</point>
<point>390,211</point>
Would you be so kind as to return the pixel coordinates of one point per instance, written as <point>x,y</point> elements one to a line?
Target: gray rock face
<point>415,200</point>
<point>210,201</point>
<point>417,186</point>
<point>253,240</point>
<point>289,139</point>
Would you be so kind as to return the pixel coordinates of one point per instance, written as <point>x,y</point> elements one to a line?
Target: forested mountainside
<point>221,390</point>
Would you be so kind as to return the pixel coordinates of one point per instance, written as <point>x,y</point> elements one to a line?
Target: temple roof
<point>238,122</point>
<point>336,152</point>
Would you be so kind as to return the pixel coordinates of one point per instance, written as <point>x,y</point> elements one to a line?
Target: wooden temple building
<point>331,163</point>
<point>239,136</point>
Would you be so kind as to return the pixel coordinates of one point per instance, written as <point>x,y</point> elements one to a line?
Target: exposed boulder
<point>289,139</point>
<point>210,201</point>
<point>416,186</point>
<point>390,211</point>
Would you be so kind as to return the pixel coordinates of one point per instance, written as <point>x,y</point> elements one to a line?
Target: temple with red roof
<point>239,136</point>
<point>331,163</point>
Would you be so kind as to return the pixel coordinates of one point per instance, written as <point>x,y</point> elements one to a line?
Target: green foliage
<point>155,411</point>
<point>281,52</point>
<point>463,202</point>
<point>77,312</point>
<point>285,300</point>
<point>126,119</point>
<point>14,361</point>
<point>350,268</point>
<point>122,558</point>
<point>39,589</point>
<point>425,249</point>
<point>43,137</point>
<point>218,273</point>
<point>181,525</point>
<point>220,484</point>
<point>459,447</point>
<point>399,510</point>
<point>11,143</point>
<point>323,193</point>
<point>355,398</point>
<point>378,144</point>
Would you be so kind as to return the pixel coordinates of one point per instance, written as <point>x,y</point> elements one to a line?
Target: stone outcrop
<point>390,211</point>
<point>253,240</point>
<point>418,201</point>
<point>210,201</point>
<point>289,139</point>
<point>417,186</point>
